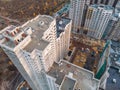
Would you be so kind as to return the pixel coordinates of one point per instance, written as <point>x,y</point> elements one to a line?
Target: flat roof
<point>59,71</point>
<point>68,84</point>
<point>39,25</point>
<point>106,7</point>
<point>61,24</point>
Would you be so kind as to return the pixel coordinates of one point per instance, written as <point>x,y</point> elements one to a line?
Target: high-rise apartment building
<point>111,2</point>
<point>115,33</point>
<point>97,19</point>
<point>77,13</point>
<point>110,27</point>
<point>106,2</point>
<point>112,31</point>
<point>35,46</point>
<point>63,37</point>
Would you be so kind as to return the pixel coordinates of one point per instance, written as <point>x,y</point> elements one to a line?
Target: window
<point>18,40</point>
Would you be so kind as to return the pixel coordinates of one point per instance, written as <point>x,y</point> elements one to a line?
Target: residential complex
<point>61,53</point>
<point>37,49</point>
<point>97,20</point>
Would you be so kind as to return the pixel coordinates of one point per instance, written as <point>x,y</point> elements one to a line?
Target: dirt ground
<point>24,10</point>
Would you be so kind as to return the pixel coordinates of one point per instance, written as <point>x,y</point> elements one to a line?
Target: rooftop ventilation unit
<point>60,22</point>
<point>28,30</point>
<point>41,23</point>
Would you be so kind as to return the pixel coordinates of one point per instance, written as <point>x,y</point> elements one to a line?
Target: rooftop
<point>106,7</point>
<point>39,25</point>
<point>61,24</point>
<point>68,84</point>
<point>59,71</point>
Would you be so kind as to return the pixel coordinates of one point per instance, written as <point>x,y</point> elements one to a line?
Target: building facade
<point>114,29</point>
<point>106,2</point>
<point>97,20</point>
<point>33,48</point>
<point>77,13</point>
<point>63,37</point>
<point>104,65</point>
<point>115,33</point>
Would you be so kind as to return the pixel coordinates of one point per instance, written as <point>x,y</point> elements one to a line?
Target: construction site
<point>85,52</point>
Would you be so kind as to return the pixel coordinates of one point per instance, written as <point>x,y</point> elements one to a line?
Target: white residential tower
<point>97,20</point>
